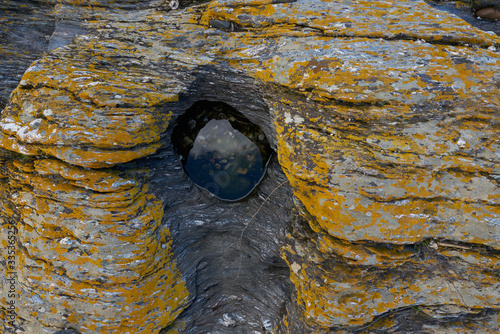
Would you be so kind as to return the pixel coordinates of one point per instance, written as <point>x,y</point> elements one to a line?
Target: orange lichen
<point>78,245</point>
<point>385,127</point>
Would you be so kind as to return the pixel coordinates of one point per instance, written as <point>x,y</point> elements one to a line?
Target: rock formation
<point>380,211</point>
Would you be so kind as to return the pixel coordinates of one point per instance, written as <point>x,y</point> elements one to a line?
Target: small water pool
<point>221,150</point>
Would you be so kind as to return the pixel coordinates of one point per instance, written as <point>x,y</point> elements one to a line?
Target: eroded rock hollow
<point>379,211</point>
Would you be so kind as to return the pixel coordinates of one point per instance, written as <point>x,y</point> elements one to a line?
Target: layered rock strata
<point>384,116</point>
<point>88,242</point>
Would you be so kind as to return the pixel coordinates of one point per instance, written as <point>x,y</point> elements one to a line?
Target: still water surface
<point>221,150</point>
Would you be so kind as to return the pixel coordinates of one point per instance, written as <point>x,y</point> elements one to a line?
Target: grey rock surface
<point>380,209</point>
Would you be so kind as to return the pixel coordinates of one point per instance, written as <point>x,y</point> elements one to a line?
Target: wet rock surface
<point>24,36</point>
<point>379,212</point>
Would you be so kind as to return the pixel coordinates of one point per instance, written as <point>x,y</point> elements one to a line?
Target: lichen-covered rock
<point>88,243</point>
<point>385,122</point>
<point>394,142</point>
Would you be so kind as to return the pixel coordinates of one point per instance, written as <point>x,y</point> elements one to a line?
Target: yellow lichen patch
<point>361,254</point>
<point>347,213</point>
<point>66,121</point>
<point>380,182</point>
<point>71,106</point>
<point>374,19</point>
<point>383,170</point>
<point>97,148</point>
<point>474,258</point>
<point>385,126</point>
<point>11,143</point>
<point>99,158</point>
<point>93,237</point>
<point>355,75</point>
<point>102,181</point>
<point>332,292</point>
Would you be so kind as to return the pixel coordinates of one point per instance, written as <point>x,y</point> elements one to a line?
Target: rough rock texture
<point>25,29</point>
<point>385,119</point>
<point>90,235</point>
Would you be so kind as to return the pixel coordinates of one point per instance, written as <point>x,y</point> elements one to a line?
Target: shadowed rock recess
<point>379,211</point>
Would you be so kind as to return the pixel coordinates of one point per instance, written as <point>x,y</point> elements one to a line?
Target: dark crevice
<point>429,200</point>
<point>360,105</point>
<point>225,25</point>
<point>416,320</point>
<point>227,252</point>
<point>458,246</point>
<point>3,103</point>
<point>402,37</point>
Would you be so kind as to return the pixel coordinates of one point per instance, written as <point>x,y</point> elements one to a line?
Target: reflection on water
<point>224,161</point>
<point>221,150</point>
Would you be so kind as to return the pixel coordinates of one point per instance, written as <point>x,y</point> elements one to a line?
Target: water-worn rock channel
<point>228,252</point>
<point>379,211</point>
